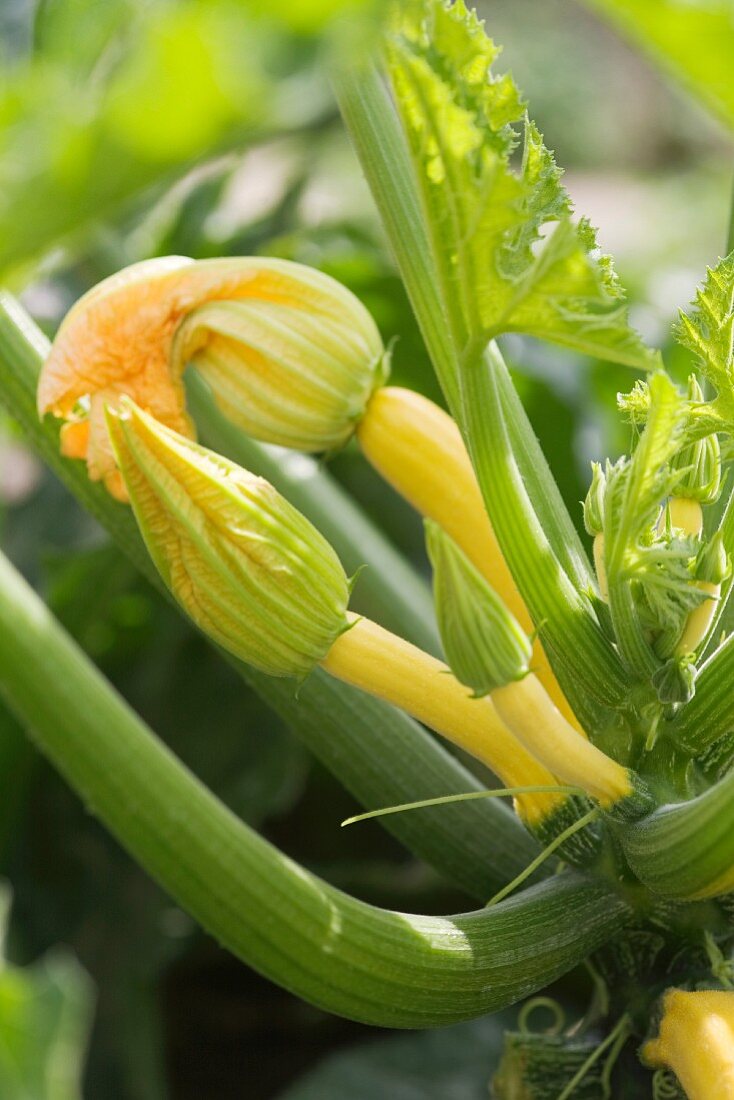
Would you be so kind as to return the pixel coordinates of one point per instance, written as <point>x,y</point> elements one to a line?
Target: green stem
<point>686,850</point>
<point>377,752</point>
<point>589,666</point>
<point>547,852</point>
<point>389,590</point>
<point>710,713</point>
<point>379,143</point>
<point>381,147</point>
<point>378,140</point>
<point>381,967</point>
<point>730,233</point>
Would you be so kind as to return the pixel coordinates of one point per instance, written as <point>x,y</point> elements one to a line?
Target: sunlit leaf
<point>693,39</point>
<point>45,1013</point>
<point>511,258</point>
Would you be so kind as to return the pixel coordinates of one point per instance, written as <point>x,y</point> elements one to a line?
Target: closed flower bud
<point>712,563</point>
<point>675,681</point>
<point>594,523</point>
<point>290,354</point>
<point>594,503</point>
<point>247,567</point>
<point>699,462</point>
<point>485,646</point>
<point>298,376</point>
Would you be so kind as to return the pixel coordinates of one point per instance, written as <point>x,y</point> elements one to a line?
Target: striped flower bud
<point>485,646</point>
<point>594,523</point>
<point>248,568</point>
<point>699,462</point>
<point>299,376</point>
<point>488,652</point>
<point>290,354</point>
<point>594,503</point>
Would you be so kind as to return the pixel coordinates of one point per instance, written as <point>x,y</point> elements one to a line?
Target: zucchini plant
<point>593,679</point>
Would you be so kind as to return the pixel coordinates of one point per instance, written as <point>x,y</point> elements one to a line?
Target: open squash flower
<point>291,355</point>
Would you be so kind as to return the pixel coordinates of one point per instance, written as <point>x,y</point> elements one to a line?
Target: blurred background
<point>134,128</point>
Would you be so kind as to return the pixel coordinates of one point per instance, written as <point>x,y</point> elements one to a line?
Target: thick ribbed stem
<point>384,968</point>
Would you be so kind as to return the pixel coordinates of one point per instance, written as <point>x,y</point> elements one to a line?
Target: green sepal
<point>675,681</point>
<point>712,563</point>
<point>594,502</point>
<point>700,460</point>
<point>484,644</point>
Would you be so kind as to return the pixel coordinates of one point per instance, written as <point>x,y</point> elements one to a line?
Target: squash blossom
<point>247,567</point>
<point>261,581</point>
<point>291,355</point>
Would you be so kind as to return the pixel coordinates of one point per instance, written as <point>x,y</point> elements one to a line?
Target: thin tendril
<point>559,1016</point>
<point>575,828</point>
<point>615,1039</point>
<point>500,792</point>
<point>665,1086</point>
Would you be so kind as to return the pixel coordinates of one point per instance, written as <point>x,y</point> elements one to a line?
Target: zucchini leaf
<point>510,256</point>
<point>694,41</point>
<point>708,331</point>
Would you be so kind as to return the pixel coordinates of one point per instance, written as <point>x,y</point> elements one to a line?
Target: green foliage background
<point>131,128</point>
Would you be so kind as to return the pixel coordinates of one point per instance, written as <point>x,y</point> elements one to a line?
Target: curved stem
<point>381,967</point>
<point>686,850</point>
<point>591,667</point>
